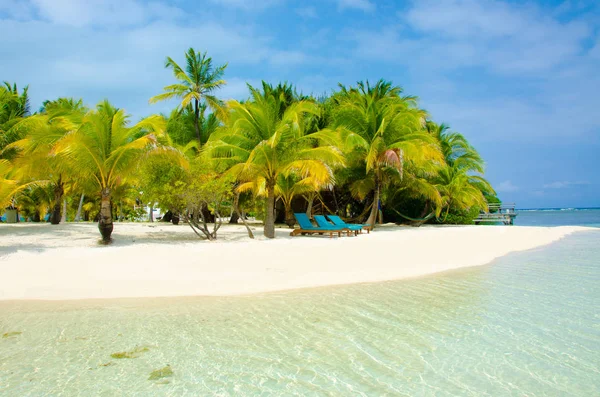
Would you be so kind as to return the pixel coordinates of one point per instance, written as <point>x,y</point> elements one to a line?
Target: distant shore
<point>65,262</point>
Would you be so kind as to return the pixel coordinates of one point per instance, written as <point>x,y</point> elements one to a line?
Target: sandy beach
<point>157,260</point>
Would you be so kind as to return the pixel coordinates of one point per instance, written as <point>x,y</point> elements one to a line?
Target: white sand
<point>151,260</point>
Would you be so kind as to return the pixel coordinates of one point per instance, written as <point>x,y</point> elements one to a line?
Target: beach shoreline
<point>65,262</point>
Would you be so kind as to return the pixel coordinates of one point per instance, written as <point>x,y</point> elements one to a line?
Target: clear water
<point>528,325</point>
<point>559,217</point>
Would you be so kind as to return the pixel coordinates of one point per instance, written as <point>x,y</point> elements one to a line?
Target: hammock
<point>356,218</point>
<point>416,221</point>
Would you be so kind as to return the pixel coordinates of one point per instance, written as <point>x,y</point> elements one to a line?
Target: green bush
<point>461,217</point>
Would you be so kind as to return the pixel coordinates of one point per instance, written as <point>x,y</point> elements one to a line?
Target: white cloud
<point>288,58</point>
<point>565,184</point>
<point>126,63</point>
<point>364,5</point>
<point>103,12</point>
<point>307,12</point>
<point>484,47</point>
<point>503,37</point>
<point>237,88</point>
<point>247,5</point>
<point>506,186</point>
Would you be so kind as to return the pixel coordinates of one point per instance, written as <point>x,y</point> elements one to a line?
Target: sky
<point>520,79</point>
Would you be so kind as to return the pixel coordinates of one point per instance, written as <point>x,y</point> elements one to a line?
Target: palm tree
<point>265,139</point>
<point>102,145</point>
<point>461,191</point>
<point>382,131</point>
<point>460,180</point>
<point>457,151</point>
<point>11,183</point>
<point>14,106</point>
<point>35,151</point>
<point>196,85</point>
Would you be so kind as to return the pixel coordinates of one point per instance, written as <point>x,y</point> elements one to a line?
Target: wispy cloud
<point>247,5</point>
<point>307,12</point>
<point>506,186</point>
<point>364,5</point>
<point>565,184</point>
<point>103,12</point>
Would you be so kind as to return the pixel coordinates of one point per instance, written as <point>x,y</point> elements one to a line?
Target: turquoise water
<point>527,325</point>
<point>559,217</point>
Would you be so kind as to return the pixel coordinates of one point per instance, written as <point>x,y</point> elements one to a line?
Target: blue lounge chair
<point>323,222</point>
<point>306,227</point>
<point>336,220</point>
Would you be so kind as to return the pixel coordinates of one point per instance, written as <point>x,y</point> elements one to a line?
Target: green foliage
<point>195,87</point>
<point>163,182</point>
<point>265,138</point>
<point>206,188</point>
<point>461,216</point>
<point>361,147</point>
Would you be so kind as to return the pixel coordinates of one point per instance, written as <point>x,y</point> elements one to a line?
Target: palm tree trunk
<point>105,224</point>
<point>270,215</point>
<point>63,218</point>
<point>196,120</point>
<point>58,192</point>
<point>310,198</point>
<point>236,208</point>
<point>289,215</point>
<point>375,208</point>
<point>78,214</point>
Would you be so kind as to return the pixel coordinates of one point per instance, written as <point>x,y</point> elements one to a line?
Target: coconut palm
<point>461,191</point>
<point>36,155</point>
<point>11,183</point>
<point>460,181</point>
<point>457,151</point>
<point>264,139</point>
<point>103,146</point>
<point>382,131</point>
<point>196,85</point>
<point>14,106</point>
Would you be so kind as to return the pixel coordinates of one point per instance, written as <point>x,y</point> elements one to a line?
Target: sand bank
<point>154,260</point>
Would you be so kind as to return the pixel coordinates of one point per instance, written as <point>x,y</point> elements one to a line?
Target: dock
<point>497,213</point>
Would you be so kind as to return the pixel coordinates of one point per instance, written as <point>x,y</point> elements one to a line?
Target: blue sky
<point>519,79</point>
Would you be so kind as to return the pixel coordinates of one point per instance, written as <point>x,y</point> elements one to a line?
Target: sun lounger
<point>336,220</point>
<point>323,222</point>
<point>306,227</point>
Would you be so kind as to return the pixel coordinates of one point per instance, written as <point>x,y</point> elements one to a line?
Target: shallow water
<point>559,217</point>
<point>527,325</point>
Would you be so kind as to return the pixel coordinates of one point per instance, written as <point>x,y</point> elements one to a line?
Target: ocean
<point>526,325</point>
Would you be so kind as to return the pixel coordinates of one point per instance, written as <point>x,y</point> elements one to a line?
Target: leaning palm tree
<point>456,149</point>
<point>381,130</point>
<point>12,183</point>
<point>461,191</point>
<point>196,85</point>
<point>103,146</point>
<point>460,180</point>
<point>260,143</point>
<point>36,156</point>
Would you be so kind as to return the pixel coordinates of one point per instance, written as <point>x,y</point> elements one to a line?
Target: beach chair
<point>323,222</point>
<point>306,227</point>
<point>336,220</point>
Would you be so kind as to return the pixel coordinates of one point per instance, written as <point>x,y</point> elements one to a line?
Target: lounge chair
<point>323,222</point>
<point>336,220</point>
<point>306,227</point>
